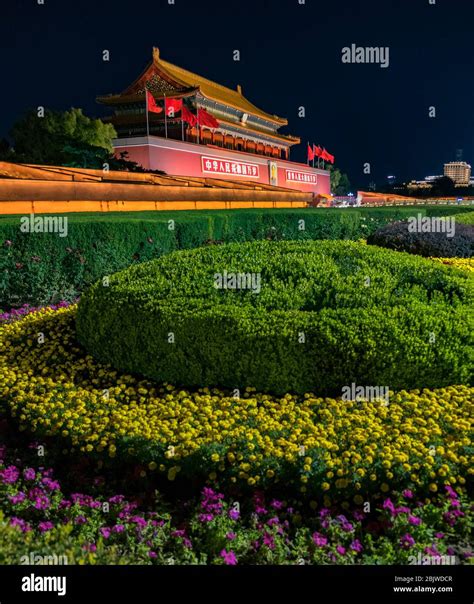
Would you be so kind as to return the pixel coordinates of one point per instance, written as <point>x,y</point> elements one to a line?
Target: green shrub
<point>45,268</point>
<point>327,314</point>
<point>467,218</point>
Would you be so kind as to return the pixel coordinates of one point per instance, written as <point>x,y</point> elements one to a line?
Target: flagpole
<point>146,109</point>
<point>307,153</point>
<point>166,120</point>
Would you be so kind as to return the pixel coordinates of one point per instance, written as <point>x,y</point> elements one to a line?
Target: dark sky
<point>290,57</point>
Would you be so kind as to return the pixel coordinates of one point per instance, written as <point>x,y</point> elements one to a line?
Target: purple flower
<point>229,557</point>
<point>105,532</point>
<point>319,540</point>
<point>141,522</point>
<point>29,474</point>
<point>341,550</point>
<point>231,536</point>
<point>20,523</point>
<point>414,520</point>
<point>206,517</point>
<point>403,509</point>
<point>152,554</point>
<point>356,546</point>
<point>407,541</point>
<point>358,515</point>
<point>52,485</point>
<point>451,492</point>
<point>41,502</point>
<point>439,535</point>
<point>407,494</point>
<point>234,514</point>
<point>269,541</point>
<point>18,498</point>
<point>388,505</point>
<point>10,475</point>
<point>118,528</point>
<point>81,519</point>
<point>273,521</point>
<point>45,526</point>
<point>276,504</point>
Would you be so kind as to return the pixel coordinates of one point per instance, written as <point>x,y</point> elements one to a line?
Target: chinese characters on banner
<point>214,165</point>
<point>305,177</point>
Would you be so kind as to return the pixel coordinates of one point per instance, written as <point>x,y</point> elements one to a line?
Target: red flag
<point>152,106</point>
<point>325,155</point>
<point>318,152</point>
<point>206,119</point>
<point>310,153</point>
<point>173,106</point>
<point>187,116</point>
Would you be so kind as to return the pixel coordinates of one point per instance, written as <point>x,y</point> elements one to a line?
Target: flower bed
<point>326,314</point>
<point>42,524</point>
<point>344,449</point>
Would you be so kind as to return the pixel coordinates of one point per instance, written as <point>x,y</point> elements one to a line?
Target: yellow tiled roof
<point>214,91</point>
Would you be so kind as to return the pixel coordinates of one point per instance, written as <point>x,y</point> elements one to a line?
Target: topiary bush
<point>326,314</point>
<point>397,236</point>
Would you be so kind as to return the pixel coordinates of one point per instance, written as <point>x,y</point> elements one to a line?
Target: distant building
<point>459,172</point>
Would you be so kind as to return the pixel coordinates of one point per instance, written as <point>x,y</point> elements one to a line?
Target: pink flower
<point>229,557</point>
<point>45,526</point>
<point>10,475</point>
<point>341,550</point>
<point>269,541</point>
<point>18,498</point>
<point>231,536</point>
<point>105,532</point>
<point>388,505</point>
<point>414,520</point>
<point>29,474</point>
<point>407,494</point>
<point>356,546</point>
<point>407,541</point>
<point>319,540</point>
<point>152,554</point>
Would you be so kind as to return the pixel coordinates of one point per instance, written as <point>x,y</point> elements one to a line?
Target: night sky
<point>290,57</point>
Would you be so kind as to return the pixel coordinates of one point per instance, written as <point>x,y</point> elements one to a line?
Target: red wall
<point>184,159</point>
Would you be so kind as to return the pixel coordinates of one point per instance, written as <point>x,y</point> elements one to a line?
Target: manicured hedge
<point>328,313</point>
<point>466,218</point>
<point>397,236</point>
<point>45,268</point>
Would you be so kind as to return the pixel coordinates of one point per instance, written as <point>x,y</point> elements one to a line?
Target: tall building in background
<point>459,172</point>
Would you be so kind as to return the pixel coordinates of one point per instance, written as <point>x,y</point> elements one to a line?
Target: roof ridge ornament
<point>239,89</point>
<point>156,53</point>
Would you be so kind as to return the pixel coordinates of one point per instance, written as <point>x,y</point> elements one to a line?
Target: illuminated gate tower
<point>245,144</point>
